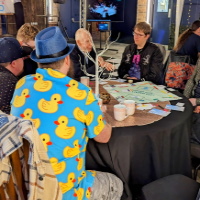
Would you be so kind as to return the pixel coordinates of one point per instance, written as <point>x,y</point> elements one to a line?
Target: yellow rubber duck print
<point>100,126</point>
<point>88,193</point>
<point>70,183</point>
<point>45,138</point>
<point>80,163</point>
<point>89,118</point>
<point>79,193</point>
<point>20,83</point>
<point>83,175</point>
<point>93,172</point>
<point>58,167</point>
<point>90,98</point>
<point>80,116</point>
<point>27,114</point>
<point>71,152</point>
<point>50,106</point>
<point>63,131</point>
<point>41,85</point>
<point>19,101</point>
<point>74,92</point>
<point>55,74</point>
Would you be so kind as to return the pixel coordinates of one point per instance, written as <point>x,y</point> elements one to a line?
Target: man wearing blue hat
<point>66,114</point>
<point>11,66</point>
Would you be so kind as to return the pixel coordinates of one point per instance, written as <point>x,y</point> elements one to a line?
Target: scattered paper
<point>159,112</point>
<point>180,104</point>
<point>146,106</point>
<point>177,108</point>
<point>171,89</point>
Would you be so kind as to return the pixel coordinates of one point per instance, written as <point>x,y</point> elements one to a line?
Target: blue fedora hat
<point>51,46</point>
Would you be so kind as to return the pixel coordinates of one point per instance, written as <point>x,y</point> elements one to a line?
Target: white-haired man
<point>84,45</point>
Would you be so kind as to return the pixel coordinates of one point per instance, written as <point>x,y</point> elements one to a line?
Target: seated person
<point>26,36</point>
<point>11,66</point>
<point>142,59</point>
<point>66,114</point>
<point>84,45</point>
<point>189,42</point>
<point>192,91</point>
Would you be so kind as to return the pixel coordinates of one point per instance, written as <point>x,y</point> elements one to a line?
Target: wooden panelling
<point>32,8</point>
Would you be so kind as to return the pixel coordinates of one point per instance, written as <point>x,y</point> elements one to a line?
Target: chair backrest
<point>163,50</point>
<point>173,187</point>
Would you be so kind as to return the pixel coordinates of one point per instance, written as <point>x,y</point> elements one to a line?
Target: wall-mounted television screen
<point>105,10</point>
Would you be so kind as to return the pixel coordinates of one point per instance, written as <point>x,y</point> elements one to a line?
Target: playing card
<point>177,108</point>
<point>146,106</point>
<point>171,89</point>
<point>180,104</point>
<point>159,112</point>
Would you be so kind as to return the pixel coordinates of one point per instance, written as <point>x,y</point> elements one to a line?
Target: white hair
<point>80,34</point>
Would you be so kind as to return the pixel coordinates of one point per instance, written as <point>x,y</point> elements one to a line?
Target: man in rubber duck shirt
<point>66,114</point>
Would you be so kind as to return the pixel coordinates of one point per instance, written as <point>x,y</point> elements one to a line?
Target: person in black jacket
<point>142,60</point>
<point>81,63</point>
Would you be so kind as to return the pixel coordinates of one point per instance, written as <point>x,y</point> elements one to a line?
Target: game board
<point>140,92</point>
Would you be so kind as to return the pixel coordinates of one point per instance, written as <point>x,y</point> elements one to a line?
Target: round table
<point>141,154</point>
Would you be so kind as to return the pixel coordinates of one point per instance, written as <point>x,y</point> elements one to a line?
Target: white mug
<point>120,112</point>
<point>130,105</point>
<point>85,80</point>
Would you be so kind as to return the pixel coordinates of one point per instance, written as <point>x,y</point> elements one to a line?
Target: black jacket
<point>7,86</point>
<point>151,63</point>
<point>78,59</point>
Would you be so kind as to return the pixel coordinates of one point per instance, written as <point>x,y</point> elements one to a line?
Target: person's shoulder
<point>8,77</point>
<point>153,45</point>
<point>130,47</point>
<point>195,36</point>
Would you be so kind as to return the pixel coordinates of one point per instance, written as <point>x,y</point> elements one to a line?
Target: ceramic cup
<point>85,80</point>
<point>130,105</point>
<point>120,112</point>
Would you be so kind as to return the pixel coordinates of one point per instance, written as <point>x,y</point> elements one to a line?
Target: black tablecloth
<point>141,154</point>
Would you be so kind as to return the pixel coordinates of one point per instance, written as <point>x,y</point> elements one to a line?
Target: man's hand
<point>105,64</point>
<point>193,101</point>
<point>197,109</point>
<point>131,78</point>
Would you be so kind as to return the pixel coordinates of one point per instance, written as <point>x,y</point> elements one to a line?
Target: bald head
<point>84,40</point>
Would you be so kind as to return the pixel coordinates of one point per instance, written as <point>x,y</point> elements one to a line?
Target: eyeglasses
<point>137,34</point>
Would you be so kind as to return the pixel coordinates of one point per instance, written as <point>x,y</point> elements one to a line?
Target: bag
<point>178,74</point>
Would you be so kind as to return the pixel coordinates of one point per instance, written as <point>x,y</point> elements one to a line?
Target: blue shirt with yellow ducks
<point>66,114</point>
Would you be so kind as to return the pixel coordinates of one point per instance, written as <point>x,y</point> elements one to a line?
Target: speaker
<point>59,1</point>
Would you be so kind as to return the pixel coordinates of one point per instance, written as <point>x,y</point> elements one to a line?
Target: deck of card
<point>175,107</point>
<point>159,112</point>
